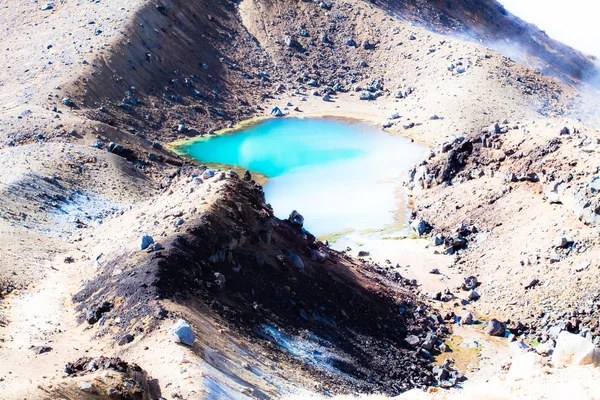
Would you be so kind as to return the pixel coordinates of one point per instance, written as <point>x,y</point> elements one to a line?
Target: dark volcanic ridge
<point>270,281</point>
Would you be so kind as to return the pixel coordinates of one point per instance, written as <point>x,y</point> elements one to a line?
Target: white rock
<point>182,332</point>
<point>575,350</point>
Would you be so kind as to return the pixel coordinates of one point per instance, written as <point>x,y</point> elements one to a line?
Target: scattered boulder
<point>41,349</point>
<point>561,242</point>
<point>413,340</point>
<point>276,112</point>
<point>575,350</point>
<point>473,295</point>
<point>219,279</point>
<point>247,176</point>
<point>94,314</point>
<point>363,253</point>
<point>470,283</point>
<point>181,332</point>
<point>429,342</point>
<point>495,328</point>
<point>126,338</point>
<point>290,42</point>
<point>296,261</point>
<point>467,319</point>
<point>146,241</point>
<point>367,96</point>
<point>296,219</point>
<point>420,227</point>
<point>209,173</point>
<point>530,282</point>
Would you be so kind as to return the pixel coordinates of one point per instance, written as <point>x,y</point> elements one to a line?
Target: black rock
<point>126,338</point>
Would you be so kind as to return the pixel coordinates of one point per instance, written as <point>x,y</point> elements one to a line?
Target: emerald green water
<point>339,175</point>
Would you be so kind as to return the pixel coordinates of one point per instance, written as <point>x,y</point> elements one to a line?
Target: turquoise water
<point>338,175</point>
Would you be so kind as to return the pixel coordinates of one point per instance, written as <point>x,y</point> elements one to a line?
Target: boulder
<point>219,279</point>
<point>470,283</point>
<point>495,328</point>
<point>296,261</point>
<point>145,242</point>
<point>290,42</point>
<point>412,340</point>
<point>575,350</point>
<point>473,295</point>
<point>368,45</point>
<point>126,338</point>
<point>420,227</point>
<point>209,173</point>
<point>181,332</point>
<point>296,219</point>
<point>467,319</point>
<point>561,242</point>
<point>386,124</point>
<point>429,342</point>
<point>318,255</point>
<point>366,95</point>
<point>276,112</point>
<point>530,282</point>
